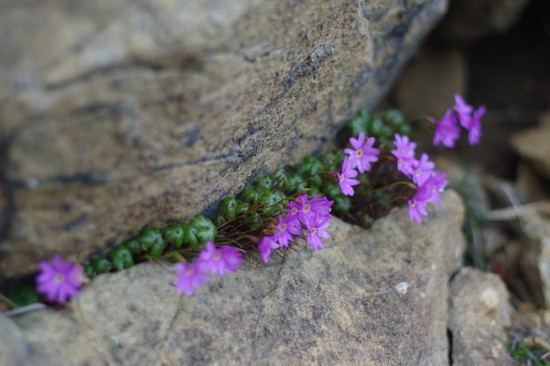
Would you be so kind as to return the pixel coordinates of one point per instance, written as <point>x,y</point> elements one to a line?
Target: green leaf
<point>254,220</point>
<point>206,230</point>
<point>174,235</point>
<point>121,257</point>
<point>295,183</point>
<point>149,237</point>
<point>264,183</point>
<point>342,204</point>
<point>250,195</point>
<point>242,208</point>
<point>134,246</point>
<point>228,208</point>
<point>279,178</point>
<point>101,265</point>
<point>89,270</point>
<point>23,295</point>
<point>190,236</point>
<point>394,117</point>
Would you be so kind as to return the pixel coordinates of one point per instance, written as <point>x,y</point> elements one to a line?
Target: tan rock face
<point>120,114</point>
<point>533,145</point>
<point>376,297</point>
<point>480,312</point>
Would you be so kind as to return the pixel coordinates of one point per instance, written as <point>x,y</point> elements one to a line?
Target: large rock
<point>376,297</point>
<point>479,316</point>
<point>120,114</point>
<point>532,144</point>
<point>535,258</point>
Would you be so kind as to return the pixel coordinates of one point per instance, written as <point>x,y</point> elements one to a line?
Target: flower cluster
<point>427,182</point>
<point>59,280</point>
<point>447,130</point>
<point>360,158</point>
<point>211,260</point>
<point>303,215</point>
<point>397,175</point>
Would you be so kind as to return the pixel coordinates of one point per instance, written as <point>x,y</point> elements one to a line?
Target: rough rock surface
<point>13,350</point>
<point>479,312</point>
<point>535,259</point>
<point>120,114</point>
<point>376,297</point>
<point>470,20</point>
<point>533,145</point>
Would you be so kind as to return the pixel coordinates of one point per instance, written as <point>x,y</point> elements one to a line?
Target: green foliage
<point>23,295</point>
<point>121,257</point>
<point>382,127</point>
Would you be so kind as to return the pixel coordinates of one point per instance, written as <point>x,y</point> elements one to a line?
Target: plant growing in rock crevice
<point>375,170</point>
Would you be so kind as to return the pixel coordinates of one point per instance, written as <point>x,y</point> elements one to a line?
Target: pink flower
<point>417,204</point>
<point>422,169</point>
<point>362,153</point>
<point>346,178</point>
<point>266,246</point>
<point>315,227</point>
<point>218,261</point>
<point>438,183</point>
<point>232,257</point>
<point>317,205</point>
<point>293,211</point>
<point>59,280</point>
<point>286,228</point>
<point>190,277</point>
<point>404,153</point>
<point>446,129</point>
<point>464,111</point>
<point>475,126</point>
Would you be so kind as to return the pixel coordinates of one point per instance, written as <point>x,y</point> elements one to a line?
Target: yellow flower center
<point>217,255</point>
<point>294,210</point>
<point>313,231</point>
<point>399,162</point>
<point>59,278</point>
<point>359,153</point>
<point>306,208</point>
<point>413,203</point>
<point>283,227</point>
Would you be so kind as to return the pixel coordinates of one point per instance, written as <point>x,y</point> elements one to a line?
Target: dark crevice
<point>450,341</point>
<point>6,190</point>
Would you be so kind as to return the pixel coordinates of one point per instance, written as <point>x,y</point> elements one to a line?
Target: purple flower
<point>475,126</point>
<point>232,257</point>
<point>362,153</point>
<point>266,245</point>
<point>286,228</point>
<point>404,153</point>
<point>438,183</point>
<point>422,169</point>
<point>293,211</point>
<point>59,279</point>
<point>190,277</point>
<point>446,129</point>
<point>316,205</point>
<point>417,204</point>
<point>464,111</point>
<point>346,178</point>
<point>218,261</point>
<point>315,227</point>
